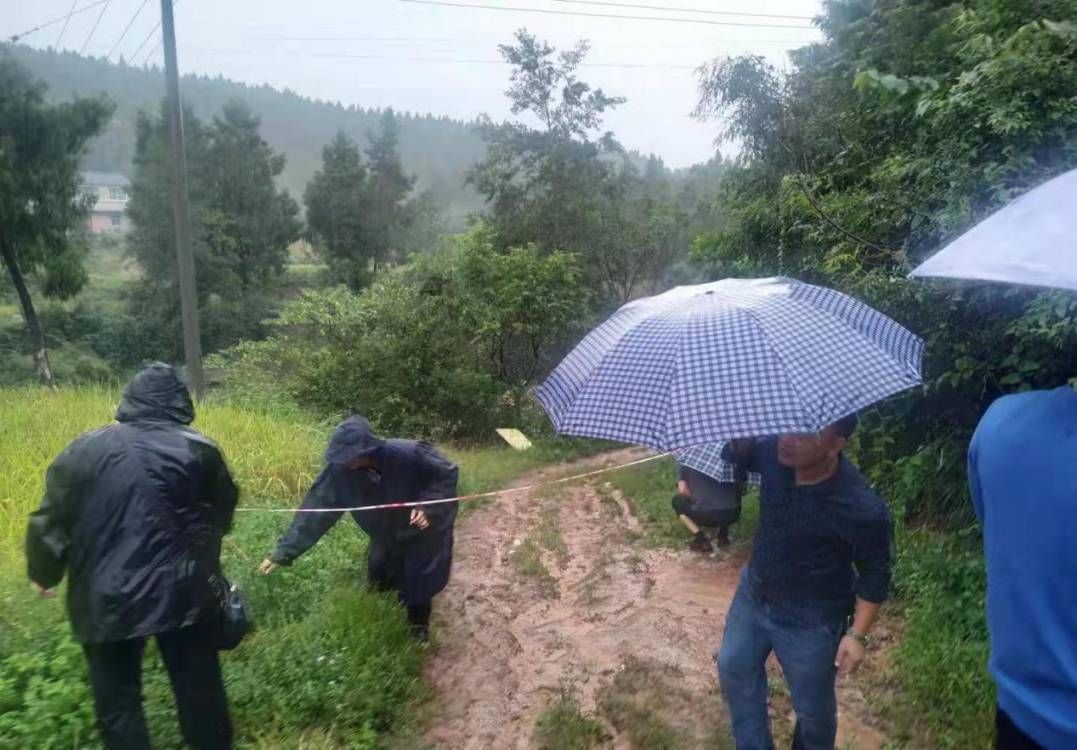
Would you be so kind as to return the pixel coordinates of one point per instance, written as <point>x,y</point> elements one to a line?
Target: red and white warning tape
<point>461,498</point>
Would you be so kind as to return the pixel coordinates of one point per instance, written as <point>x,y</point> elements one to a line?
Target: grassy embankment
<point>329,666</point>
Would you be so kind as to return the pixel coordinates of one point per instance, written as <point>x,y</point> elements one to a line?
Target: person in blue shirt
<point>821,552</point>
<point>1022,470</point>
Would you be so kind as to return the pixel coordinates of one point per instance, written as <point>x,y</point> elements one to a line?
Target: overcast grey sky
<point>380,53</point>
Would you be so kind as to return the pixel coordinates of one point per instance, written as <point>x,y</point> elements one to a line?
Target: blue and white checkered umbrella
<point>728,359</point>
<point>707,459</point>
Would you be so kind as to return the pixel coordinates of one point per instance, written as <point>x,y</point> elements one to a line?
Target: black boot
<point>722,537</point>
<point>419,621</point>
<point>700,543</point>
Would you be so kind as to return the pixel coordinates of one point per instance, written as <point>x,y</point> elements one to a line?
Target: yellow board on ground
<point>514,437</point>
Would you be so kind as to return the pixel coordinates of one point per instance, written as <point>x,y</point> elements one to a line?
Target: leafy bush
<point>443,348</point>
<point>942,660</point>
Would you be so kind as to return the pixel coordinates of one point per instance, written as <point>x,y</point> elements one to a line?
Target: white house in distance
<point>109,210</point>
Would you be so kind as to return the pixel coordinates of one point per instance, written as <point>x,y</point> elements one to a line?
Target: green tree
<point>549,185</point>
<point>40,148</point>
<point>252,223</point>
<point>335,200</point>
<point>389,187</point>
<point>860,161</point>
<point>241,226</point>
<point>566,185</point>
<point>360,213</point>
<point>520,304</point>
<point>444,347</point>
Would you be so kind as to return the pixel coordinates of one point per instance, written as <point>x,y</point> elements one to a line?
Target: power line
<point>147,39</point>
<point>95,25</point>
<point>123,36</point>
<point>63,29</point>
<point>478,61</point>
<point>666,19</point>
<point>412,40</point>
<point>16,37</point>
<point>153,51</point>
<point>682,10</point>
<point>437,59</point>
<point>158,45</point>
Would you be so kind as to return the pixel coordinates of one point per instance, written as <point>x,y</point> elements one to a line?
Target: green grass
<point>941,663</point>
<point>648,703</point>
<point>562,725</point>
<point>543,538</point>
<point>526,558</point>
<point>110,271</point>
<point>330,665</point>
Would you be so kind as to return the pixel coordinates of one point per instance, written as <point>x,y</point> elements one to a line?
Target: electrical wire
<point>666,19</point>
<point>95,25</point>
<point>157,46</point>
<point>63,30</point>
<point>123,36</point>
<point>16,37</point>
<point>701,11</point>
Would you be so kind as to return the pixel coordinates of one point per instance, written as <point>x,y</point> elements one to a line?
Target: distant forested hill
<point>437,149</point>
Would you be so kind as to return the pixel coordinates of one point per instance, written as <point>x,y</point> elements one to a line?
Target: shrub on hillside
<point>444,348</point>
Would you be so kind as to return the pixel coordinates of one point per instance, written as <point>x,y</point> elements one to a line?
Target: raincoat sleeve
<point>308,528</point>
<point>438,480</point>
<point>222,493</point>
<point>48,536</point>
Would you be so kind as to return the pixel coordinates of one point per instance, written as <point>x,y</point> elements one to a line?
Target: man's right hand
<point>41,591</point>
<point>267,567</point>
<point>682,488</point>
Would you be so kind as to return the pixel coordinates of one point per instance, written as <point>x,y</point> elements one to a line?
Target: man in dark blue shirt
<point>822,551</point>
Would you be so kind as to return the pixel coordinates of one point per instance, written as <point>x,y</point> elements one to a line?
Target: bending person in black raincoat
<point>134,513</point>
<point>410,548</point>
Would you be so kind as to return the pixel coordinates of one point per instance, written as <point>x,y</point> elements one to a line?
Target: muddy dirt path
<point>553,596</point>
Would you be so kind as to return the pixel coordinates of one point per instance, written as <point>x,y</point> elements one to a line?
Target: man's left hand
<point>850,654</point>
<point>419,519</point>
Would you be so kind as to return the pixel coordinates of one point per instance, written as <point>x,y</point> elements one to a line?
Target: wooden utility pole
<point>192,340</point>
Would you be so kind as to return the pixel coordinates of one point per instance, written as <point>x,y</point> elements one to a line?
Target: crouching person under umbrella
<point>410,548</point>
<point>134,513</point>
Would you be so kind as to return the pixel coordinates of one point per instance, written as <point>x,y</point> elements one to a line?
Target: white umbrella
<point>1032,240</point>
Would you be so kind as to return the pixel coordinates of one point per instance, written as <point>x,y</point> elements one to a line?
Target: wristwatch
<point>863,640</point>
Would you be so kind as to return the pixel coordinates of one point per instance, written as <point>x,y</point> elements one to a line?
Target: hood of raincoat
<point>353,439</point>
<point>156,393</point>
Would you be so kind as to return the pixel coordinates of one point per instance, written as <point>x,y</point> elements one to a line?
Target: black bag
<point>235,619</point>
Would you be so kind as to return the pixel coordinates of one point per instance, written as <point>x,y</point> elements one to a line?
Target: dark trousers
<point>1008,736</point>
<point>195,673</point>
<point>385,572</point>
<point>717,518</point>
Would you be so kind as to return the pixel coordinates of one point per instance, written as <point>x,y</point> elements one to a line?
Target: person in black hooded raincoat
<point>410,549</point>
<point>134,514</point>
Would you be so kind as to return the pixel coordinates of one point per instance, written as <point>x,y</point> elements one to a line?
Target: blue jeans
<point>753,629</point>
